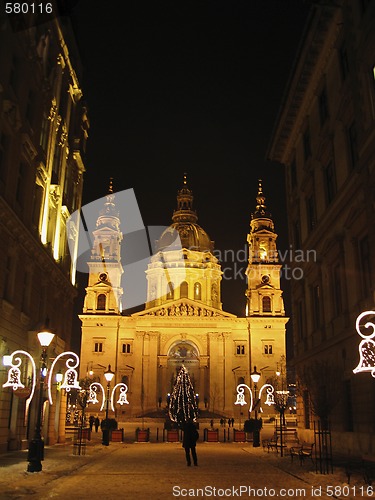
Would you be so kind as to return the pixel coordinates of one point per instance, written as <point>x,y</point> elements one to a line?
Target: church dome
<point>192,236</point>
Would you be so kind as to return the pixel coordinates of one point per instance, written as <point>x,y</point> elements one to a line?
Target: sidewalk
<point>157,470</point>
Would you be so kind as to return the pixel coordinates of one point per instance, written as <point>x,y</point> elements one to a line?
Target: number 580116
<point>28,8</point>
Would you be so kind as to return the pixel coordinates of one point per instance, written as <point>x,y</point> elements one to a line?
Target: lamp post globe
<point>36,446</point>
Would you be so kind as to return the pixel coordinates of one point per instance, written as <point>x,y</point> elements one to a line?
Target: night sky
<point>189,86</point>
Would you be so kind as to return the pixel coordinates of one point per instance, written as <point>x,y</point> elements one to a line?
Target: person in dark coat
<point>91,421</point>
<point>97,423</point>
<point>189,442</point>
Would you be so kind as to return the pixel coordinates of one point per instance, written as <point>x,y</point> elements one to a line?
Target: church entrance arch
<point>183,352</point>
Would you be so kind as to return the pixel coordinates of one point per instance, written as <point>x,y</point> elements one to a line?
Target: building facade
<point>183,321</point>
<point>325,137</point>
<point>43,132</point>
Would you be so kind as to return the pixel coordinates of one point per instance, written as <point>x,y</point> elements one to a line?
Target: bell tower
<point>264,296</point>
<point>103,293</point>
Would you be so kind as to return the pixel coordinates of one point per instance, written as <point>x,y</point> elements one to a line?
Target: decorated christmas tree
<point>182,404</point>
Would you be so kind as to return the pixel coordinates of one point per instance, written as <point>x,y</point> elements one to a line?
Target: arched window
<point>266,304</point>
<point>101,302</point>
<point>197,291</point>
<point>170,291</point>
<point>184,289</point>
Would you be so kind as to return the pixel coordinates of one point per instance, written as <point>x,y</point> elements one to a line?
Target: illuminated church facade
<point>183,321</point>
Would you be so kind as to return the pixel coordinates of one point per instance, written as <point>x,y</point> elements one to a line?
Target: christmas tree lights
<point>182,404</point>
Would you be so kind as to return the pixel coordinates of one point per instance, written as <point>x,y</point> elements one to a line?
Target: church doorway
<point>184,353</point>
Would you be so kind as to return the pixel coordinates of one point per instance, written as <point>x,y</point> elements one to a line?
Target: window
<point>315,296</point>
<point>323,107</point>
<point>293,174</point>
<point>344,64</point>
<point>337,290</point>
<point>330,182</point>
<point>55,178</point>
<point>297,236</point>
<point>14,74</point>
<point>31,107</point>
<point>365,266</point>
<point>365,4</point>
<point>240,349</point>
<point>21,185</point>
<point>126,348</point>
<point>43,140</point>
<point>353,145</point>
<point>37,204</point>
<point>25,301</point>
<point>267,349</point>
<point>3,150</point>
<point>101,302</point>
<point>98,347</point>
<point>170,291</point>
<point>8,279</point>
<point>306,408</point>
<point>310,206</point>
<point>306,144</point>
<point>266,303</point>
<point>183,290</point>
<point>197,291</point>
<point>300,320</point>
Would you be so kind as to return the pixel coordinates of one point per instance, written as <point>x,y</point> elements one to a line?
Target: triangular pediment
<point>102,285</point>
<point>186,308</point>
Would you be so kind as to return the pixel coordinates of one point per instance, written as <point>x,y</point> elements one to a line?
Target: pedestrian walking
<point>212,423</point>
<point>97,424</point>
<point>232,420</point>
<point>229,422</point>
<point>91,422</point>
<point>189,442</point>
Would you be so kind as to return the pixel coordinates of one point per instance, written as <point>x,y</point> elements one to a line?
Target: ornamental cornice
<point>53,110</point>
<point>184,308</point>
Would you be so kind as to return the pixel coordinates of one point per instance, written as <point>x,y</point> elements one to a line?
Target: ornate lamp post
<point>36,445</point>
<point>255,376</point>
<point>109,374</point>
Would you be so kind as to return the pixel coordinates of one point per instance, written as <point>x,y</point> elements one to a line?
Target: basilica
<point>182,321</point>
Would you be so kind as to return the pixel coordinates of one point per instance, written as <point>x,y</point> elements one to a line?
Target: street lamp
<point>109,374</point>
<point>255,376</point>
<point>36,445</point>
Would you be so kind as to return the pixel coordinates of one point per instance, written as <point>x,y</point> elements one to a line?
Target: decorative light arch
<point>366,347</point>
